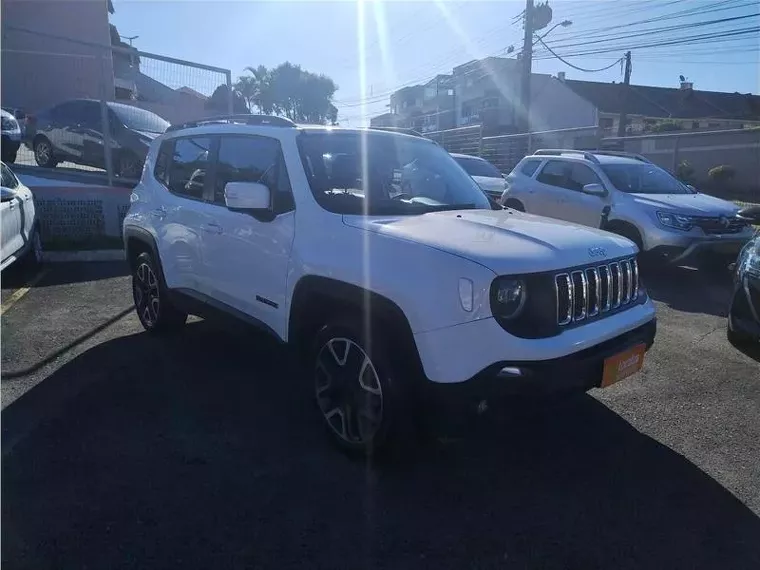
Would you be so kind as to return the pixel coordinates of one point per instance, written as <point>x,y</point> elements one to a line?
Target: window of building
<point>253,159</point>
<point>189,166</point>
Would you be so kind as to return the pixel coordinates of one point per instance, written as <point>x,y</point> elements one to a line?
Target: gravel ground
<point>202,450</point>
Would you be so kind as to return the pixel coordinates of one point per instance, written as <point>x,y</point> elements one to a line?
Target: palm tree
<point>256,88</point>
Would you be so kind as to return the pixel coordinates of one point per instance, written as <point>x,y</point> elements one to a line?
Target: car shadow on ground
<point>689,289</point>
<point>21,274</point>
<point>202,450</point>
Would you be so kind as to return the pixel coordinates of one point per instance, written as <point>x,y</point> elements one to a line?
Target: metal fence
<point>72,97</point>
<point>690,155</point>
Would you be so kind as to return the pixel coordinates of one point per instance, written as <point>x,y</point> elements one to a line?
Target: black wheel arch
<point>137,241</point>
<point>625,229</point>
<point>317,300</point>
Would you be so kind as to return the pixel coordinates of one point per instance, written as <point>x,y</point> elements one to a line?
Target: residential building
<point>487,92</point>
<point>40,67</point>
<point>666,108</point>
<point>56,50</point>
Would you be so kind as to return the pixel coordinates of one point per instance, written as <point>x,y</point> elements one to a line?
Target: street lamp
<point>563,23</point>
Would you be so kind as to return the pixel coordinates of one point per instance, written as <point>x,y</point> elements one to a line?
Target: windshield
<point>139,119</point>
<point>478,167</point>
<point>644,179</point>
<point>401,175</point>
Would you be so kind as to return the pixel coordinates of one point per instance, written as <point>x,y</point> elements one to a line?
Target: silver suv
<point>628,195</point>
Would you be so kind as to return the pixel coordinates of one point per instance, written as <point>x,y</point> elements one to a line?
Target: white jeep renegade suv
<point>383,264</point>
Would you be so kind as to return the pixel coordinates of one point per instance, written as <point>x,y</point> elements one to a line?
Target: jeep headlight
<point>676,221</point>
<point>508,296</point>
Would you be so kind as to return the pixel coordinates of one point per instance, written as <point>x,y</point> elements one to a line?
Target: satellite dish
<point>682,78</point>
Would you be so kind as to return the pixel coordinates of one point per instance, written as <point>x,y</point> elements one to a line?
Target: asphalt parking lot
<point>121,450</point>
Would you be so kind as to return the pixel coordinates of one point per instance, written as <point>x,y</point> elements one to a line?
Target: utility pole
<point>527,63</point>
<point>623,119</point>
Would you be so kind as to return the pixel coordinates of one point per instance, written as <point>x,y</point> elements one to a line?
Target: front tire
<point>356,390</point>
<point>152,304</point>
<point>9,153</point>
<point>34,254</point>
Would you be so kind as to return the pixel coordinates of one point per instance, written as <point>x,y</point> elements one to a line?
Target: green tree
<point>256,89</point>
<point>300,95</point>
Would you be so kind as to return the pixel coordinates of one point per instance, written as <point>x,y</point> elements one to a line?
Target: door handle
<point>211,228</point>
<point>159,213</point>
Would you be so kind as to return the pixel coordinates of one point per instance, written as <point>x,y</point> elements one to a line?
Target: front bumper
<point>680,246</point>
<point>491,388</point>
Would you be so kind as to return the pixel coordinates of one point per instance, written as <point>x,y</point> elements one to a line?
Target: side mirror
<point>248,196</point>
<point>594,190</point>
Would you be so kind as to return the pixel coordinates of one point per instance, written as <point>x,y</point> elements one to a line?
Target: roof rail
<point>246,119</point>
<point>402,130</point>
<point>623,154</point>
<point>560,151</point>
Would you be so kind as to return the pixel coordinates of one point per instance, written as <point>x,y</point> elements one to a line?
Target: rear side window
<point>253,159</point>
<point>529,167</point>
<point>553,173</point>
<point>188,166</point>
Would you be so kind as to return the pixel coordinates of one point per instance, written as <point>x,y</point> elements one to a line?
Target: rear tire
<point>43,153</point>
<point>8,155</point>
<point>33,256</point>
<point>152,303</point>
<point>357,390</point>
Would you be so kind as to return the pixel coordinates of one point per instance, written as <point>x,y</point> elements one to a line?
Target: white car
<point>484,173</point>
<point>628,195</point>
<point>20,230</point>
<point>395,301</point>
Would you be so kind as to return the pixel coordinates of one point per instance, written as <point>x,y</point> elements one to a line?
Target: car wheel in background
<point>355,389</point>
<point>129,166</point>
<point>34,255</point>
<point>514,204</point>
<point>9,152</point>
<point>152,304</point>
<point>43,153</point>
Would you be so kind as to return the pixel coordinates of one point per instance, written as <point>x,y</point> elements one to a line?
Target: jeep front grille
<point>593,291</point>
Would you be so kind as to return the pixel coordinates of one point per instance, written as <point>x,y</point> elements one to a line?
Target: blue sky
<point>406,42</point>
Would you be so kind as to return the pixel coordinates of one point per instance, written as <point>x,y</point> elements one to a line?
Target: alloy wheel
<point>42,152</point>
<point>348,391</point>
<point>145,287</point>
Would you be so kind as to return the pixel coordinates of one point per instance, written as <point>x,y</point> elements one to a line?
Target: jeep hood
<point>694,204</point>
<point>507,242</point>
<point>491,185</point>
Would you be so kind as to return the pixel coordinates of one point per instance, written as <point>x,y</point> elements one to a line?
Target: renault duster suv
<point>379,260</point>
<point>628,195</point>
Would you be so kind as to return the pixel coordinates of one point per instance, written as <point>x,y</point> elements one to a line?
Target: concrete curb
<point>93,255</point>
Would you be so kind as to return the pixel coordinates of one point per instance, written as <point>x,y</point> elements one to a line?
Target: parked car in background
<point>11,136</point>
<point>484,173</point>
<point>630,196</point>
<point>73,131</point>
<point>744,312</point>
<point>20,231</point>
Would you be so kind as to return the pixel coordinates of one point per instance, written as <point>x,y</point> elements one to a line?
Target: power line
<point>575,66</point>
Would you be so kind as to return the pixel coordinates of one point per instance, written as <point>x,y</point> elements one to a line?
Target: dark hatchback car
<point>744,313</point>
<point>73,131</point>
